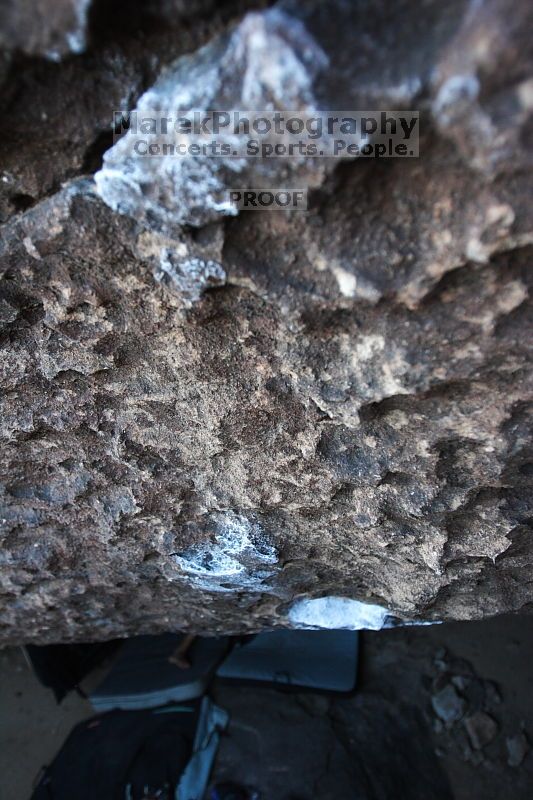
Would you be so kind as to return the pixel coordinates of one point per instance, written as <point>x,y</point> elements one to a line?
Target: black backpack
<point>122,755</point>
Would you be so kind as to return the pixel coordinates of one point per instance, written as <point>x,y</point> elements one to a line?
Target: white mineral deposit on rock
<point>267,62</point>
<point>77,38</point>
<point>457,92</point>
<point>190,276</point>
<point>237,557</point>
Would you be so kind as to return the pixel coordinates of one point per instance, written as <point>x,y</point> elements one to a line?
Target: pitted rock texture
<point>347,412</point>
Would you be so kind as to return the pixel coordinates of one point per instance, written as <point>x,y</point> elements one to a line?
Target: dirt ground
<point>448,706</point>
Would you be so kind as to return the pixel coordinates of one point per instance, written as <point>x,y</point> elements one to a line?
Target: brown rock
<point>481,729</point>
<point>347,413</point>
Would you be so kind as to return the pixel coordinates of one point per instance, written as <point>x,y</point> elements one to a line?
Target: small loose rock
<point>448,705</point>
<point>481,729</point>
<point>517,749</point>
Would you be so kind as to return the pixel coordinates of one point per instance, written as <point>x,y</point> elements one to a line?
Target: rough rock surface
<point>346,413</point>
<point>43,28</point>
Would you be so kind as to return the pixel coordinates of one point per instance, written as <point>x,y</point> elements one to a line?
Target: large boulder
<point>223,422</point>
